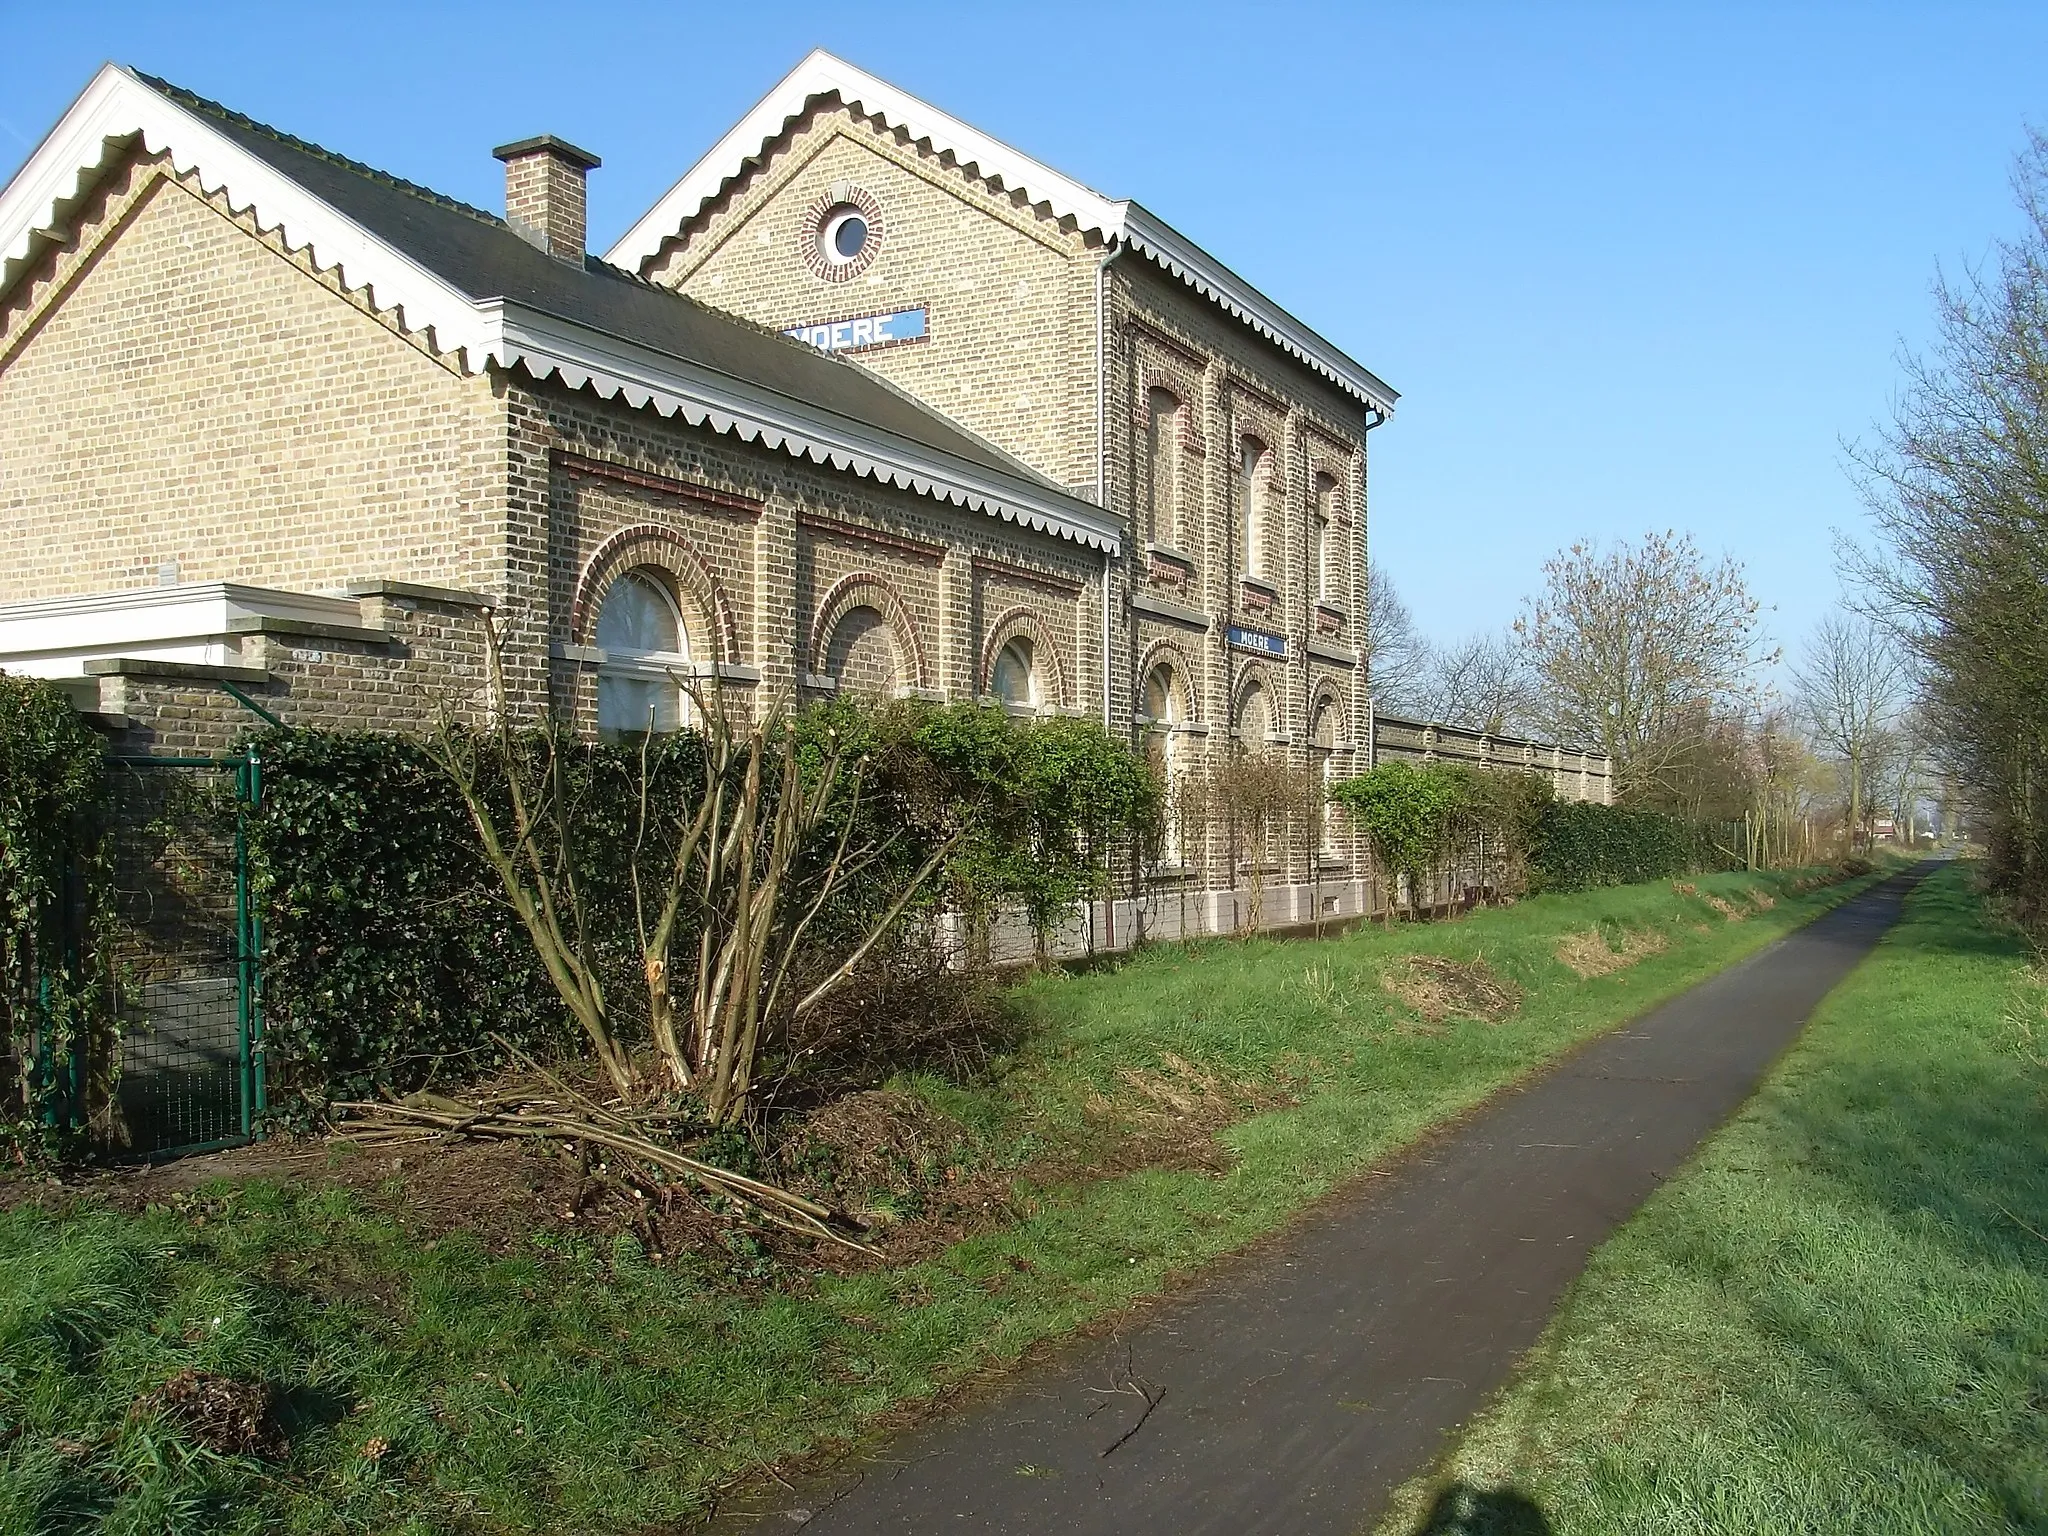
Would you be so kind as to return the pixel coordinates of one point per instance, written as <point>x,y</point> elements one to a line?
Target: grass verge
<point>446,1383</point>
<point>1837,1318</point>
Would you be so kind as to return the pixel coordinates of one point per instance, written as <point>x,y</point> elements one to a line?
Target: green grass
<point>562,1388</point>
<point>1837,1318</point>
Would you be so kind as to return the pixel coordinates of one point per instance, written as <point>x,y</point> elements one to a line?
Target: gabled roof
<point>822,75</point>
<point>490,296</point>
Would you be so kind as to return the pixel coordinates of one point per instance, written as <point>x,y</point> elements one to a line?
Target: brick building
<point>867,401</point>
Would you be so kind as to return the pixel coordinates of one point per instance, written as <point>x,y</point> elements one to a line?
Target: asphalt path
<point>1293,1388</point>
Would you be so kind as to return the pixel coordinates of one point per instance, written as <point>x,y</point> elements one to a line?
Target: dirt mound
<point>1168,1116</point>
<point>1727,909</point>
<point>871,1142</point>
<point>1591,954</point>
<point>1438,987</point>
<point>217,1413</point>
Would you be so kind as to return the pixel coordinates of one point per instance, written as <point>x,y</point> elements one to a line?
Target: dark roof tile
<point>483,257</point>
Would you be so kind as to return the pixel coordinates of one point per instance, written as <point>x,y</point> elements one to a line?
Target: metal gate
<point>186,940</point>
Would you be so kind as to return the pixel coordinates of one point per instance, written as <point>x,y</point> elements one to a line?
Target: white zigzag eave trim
<point>1173,252</point>
<point>823,74</point>
<point>117,108</point>
<point>616,368</point>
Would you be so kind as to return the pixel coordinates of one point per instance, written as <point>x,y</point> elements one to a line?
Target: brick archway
<point>642,545</point>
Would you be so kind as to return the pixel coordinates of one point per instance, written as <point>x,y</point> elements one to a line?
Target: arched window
<point>1014,677</point>
<point>1163,748</point>
<point>640,631</point>
<point>1251,505</point>
<point>1322,758</point>
<point>1254,719</point>
<point>1329,579</point>
<point>1162,462</point>
<point>861,656</point>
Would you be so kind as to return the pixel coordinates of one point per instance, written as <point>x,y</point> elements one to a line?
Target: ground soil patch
<point>1438,987</point>
<point>1592,954</point>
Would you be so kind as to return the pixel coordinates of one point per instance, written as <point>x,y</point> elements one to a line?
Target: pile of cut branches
<point>548,1109</point>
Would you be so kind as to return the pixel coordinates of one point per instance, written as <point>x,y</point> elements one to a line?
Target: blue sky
<point>1630,266</point>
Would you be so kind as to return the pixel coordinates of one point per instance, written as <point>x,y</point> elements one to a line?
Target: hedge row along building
<point>868,401</point>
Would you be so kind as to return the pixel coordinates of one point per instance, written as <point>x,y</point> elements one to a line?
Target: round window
<point>843,234</point>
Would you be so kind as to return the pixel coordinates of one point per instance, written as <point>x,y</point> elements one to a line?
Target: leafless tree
<point>1482,683</point>
<point>1259,801</point>
<point>1958,489</point>
<point>1633,648</point>
<point>729,884</point>
<point>1852,686</point>
<point>1395,654</point>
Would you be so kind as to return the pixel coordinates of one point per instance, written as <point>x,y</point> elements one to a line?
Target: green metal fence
<point>186,979</point>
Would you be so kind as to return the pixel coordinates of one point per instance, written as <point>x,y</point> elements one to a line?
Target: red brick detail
<point>865,589</point>
<point>1168,340</point>
<point>646,480</point>
<point>1024,573</point>
<point>1270,401</point>
<point>1007,627</point>
<point>917,549</point>
<point>1174,654</point>
<point>811,226</point>
<point>649,544</point>
<point>1167,572</point>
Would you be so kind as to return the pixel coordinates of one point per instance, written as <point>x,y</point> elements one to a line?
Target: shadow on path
<point>1462,1510</point>
<point>1294,1388</point>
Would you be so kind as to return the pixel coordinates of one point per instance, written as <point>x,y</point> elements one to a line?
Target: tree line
<point>1655,653</point>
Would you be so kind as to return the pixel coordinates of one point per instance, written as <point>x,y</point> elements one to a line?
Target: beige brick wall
<point>1010,294</point>
<point>784,557</point>
<point>435,659</point>
<point>176,390</point>
<point>1013,316</point>
<point>1230,382</point>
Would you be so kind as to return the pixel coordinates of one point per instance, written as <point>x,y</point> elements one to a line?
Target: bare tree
<point>1632,648</point>
<point>1259,800</point>
<point>1395,654</point>
<point>1958,489</point>
<point>1483,684</point>
<point>730,883</point>
<point>1852,686</point>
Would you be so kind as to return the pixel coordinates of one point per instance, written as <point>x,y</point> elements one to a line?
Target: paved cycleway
<point>1292,1389</point>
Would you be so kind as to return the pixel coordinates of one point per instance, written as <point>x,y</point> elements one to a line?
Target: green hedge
<point>388,948</point>
<point>1423,817</point>
<point>1575,844</point>
<point>392,957</point>
<point>53,877</point>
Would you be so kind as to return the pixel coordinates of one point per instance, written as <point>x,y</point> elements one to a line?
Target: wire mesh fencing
<point>184,970</point>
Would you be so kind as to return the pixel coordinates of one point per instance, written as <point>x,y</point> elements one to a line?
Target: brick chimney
<point>544,193</point>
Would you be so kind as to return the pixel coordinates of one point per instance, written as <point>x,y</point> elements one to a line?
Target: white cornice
<point>117,108</point>
<point>616,367</point>
<point>821,74</point>
<point>1147,234</point>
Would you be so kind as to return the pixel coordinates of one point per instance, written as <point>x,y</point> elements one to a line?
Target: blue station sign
<point>858,335</point>
<point>1256,640</point>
